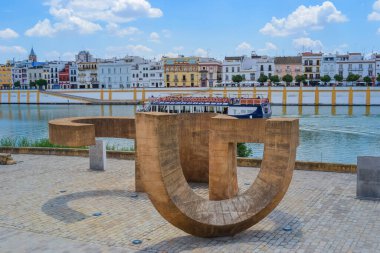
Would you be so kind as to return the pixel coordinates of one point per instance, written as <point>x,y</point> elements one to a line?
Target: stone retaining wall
<point>242,162</point>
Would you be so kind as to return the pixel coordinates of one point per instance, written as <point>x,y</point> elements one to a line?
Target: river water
<point>328,134</point>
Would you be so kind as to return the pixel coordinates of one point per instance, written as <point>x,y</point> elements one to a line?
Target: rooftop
<point>49,206</point>
<point>288,60</point>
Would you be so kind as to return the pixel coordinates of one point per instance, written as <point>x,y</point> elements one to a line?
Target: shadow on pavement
<point>58,208</point>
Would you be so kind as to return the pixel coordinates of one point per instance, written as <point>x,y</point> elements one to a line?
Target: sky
<point>59,29</point>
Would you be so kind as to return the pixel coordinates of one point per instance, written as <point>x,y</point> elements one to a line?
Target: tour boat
<point>242,108</point>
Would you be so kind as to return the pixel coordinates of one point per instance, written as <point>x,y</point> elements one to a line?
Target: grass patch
<point>23,142</point>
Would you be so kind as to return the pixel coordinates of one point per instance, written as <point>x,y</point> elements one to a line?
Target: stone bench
<point>368,181</point>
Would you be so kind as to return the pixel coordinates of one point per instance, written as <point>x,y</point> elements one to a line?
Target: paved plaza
<point>55,204</point>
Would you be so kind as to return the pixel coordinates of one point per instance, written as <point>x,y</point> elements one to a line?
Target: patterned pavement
<point>55,204</point>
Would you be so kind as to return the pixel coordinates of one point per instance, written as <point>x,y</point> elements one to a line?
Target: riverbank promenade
<point>55,204</point>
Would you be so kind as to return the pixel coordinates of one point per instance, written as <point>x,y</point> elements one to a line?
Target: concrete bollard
<point>368,181</point>
<point>98,156</point>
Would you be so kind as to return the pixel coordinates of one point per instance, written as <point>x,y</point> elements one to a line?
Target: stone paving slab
<point>47,205</point>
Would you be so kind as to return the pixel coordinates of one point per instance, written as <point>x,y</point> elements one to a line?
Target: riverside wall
<point>241,162</point>
<point>365,96</point>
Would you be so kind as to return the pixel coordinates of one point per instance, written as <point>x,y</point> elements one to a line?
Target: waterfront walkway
<point>47,204</point>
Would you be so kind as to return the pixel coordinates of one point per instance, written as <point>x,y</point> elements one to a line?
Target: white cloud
<point>8,34</point>
<point>122,32</point>
<point>269,46</point>
<point>244,47</point>
<point>121,51</point>
<point>12,50</point>
<point>201,52</point>
<point>88,16</point>
<point>41,29</point>
<point>305,43</point>
<point>155,37</point>
<point>167,33</point>
<point>304,18</point>
<point>375,14</point>
<point>178,49</point>
<point>169,55</point>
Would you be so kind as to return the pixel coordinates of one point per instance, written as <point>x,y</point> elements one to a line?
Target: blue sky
<point>152,28</point>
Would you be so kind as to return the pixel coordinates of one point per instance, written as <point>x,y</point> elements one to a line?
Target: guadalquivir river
<point>329,134</point>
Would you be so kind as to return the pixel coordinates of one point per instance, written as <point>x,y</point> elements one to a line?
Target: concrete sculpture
<point>173,149</point>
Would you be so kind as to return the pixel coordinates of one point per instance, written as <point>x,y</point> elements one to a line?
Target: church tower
<point>32,56</point>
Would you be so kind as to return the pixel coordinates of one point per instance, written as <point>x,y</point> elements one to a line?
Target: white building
<point>329,66</point>
<point>265,66</point>
<point>114,74</point>
<point>20,75</point>
<point>36,73</point>
<point>87,75</point>
<point>131,71</point>
<point>73,68</point>
<point>354,63</point>
<point>55,67</point>
<point>148,74</point>
<point>240,65</point>
<point>250,68</point>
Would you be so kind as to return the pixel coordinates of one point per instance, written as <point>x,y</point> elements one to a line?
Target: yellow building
<point>5,76</point>
<point>181,72</point>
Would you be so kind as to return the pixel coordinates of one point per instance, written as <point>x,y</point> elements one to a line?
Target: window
<point>233,69</point>
<point>192,77</point>
<point>238,69</point>
<point>167,78</point>
<point>226,69</point>
<point>360,66</point>
<point>270,68</point>
<point>261,67</point>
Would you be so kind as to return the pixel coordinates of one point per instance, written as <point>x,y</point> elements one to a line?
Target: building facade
<point>329,66</point>
<point>210,72</point>
<point>64,77</point>
<point>54,69</point>
<point>88,75</point>
<point>265,66</point>
<point>311,65</point>
<point>354,63</point>
<point>6,76</point>
<point>288,65</point>
<point>148,74</point>
<point>181,72</point>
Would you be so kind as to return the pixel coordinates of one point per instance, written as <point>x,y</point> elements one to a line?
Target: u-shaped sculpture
<point>167,188</point>
<point>206,144</point>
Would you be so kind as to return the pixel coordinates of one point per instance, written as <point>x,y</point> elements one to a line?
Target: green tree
<point>41,83</point>
<point>326,79</point>
<point>338,78</point>
<point>287,78</point>
<point>300,78</point>
<point>32,84</point>
<point>367,79</point>
<point>237,79</point>
<point>274,79</point>
<point>378,78</point>
<point>17,84</point>
<point>262,79</point>
<point>352,77</point>
<point>243,150</point>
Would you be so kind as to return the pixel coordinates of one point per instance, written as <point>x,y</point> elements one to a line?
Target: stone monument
<point>172,149</point>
